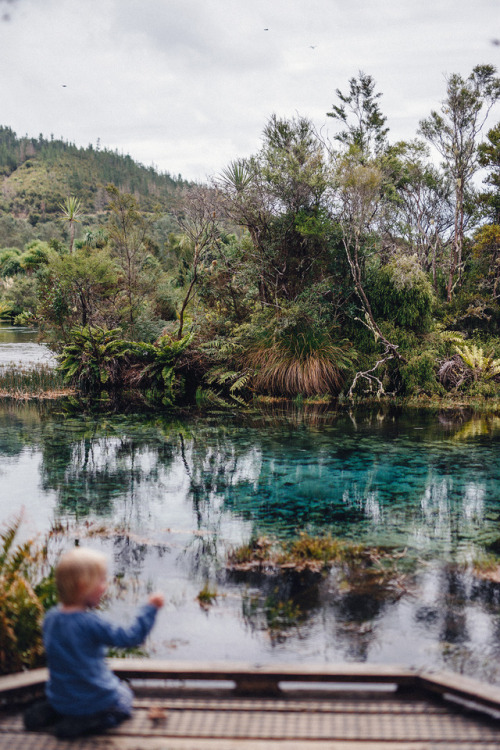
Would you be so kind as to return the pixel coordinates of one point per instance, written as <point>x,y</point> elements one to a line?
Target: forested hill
<point>37,174</point>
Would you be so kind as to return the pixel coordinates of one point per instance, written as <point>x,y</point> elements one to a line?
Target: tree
<point>489,157</point>
<point>454,134</point>
<point>71,213</point>
<point>360,113</point>
<point>82,286</point>
<point>198,218</point>
<point>486,250</point>
<point>127,232</point>
<point>422,214</point>
<point>278,197</point>
<point>360,206</point>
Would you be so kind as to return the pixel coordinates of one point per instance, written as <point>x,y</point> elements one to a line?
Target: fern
<point>482,365</point>
<point>21,609</point>
<point>232,380</point>
<point>242,382</point>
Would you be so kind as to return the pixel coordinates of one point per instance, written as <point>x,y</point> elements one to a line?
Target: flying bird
<point>312,47</point>
<point>266,29</point>
<point>64,85</point>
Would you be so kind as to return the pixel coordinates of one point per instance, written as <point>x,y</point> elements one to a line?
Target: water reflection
<point>19,347</point>
<point>167,497</point>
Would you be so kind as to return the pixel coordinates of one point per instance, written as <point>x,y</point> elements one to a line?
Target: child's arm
<point>133,635</point>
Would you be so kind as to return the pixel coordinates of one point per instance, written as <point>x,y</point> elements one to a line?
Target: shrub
<point>419,374</point>
<point>401,292</point>
<point>154,365</point>
<point>22,603</point>
<point>10,262</point>
<point>92,357</point>
<point>97,357</point>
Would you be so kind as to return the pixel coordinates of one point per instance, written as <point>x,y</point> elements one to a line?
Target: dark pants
<point>43,716</point>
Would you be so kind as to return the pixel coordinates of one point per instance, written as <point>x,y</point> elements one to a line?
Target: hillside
<point>38,173</point>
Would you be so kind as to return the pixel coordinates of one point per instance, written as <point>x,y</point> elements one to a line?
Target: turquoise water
<point>167,497</point>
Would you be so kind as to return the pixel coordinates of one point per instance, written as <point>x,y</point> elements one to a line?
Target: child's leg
<point>74,726</point>
<point>39,716</point>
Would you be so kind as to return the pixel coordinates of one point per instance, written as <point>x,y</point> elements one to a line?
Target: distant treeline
<point>38,173</point>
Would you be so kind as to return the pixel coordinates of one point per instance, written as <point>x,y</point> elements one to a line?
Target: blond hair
<point>77,571</point>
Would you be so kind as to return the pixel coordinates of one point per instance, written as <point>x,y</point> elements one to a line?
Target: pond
<point>19,347</point>
<point>168,495</point>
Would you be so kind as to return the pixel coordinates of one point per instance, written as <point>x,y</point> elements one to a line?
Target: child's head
<point>81,577</point>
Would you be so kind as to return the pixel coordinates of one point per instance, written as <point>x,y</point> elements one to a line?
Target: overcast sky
<point>188,85</point>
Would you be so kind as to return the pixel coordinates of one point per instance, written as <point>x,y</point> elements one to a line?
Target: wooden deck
<point>238,707</point>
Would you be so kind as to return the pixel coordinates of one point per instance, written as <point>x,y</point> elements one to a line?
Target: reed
<point>18,382</point>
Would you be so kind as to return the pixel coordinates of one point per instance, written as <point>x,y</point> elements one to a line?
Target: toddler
<point>83,695</point>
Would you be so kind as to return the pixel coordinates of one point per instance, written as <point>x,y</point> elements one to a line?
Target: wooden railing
<point>269,679</point>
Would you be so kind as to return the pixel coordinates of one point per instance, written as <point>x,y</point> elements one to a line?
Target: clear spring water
<point>19,348</point>
<point>167,495</point>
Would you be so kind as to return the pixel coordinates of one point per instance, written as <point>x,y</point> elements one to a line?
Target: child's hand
<point>157,600</point>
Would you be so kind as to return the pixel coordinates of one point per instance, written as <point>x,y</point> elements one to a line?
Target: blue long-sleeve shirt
<point>80,682</point>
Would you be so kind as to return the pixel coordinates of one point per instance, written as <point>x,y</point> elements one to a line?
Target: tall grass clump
<point>299,359</point>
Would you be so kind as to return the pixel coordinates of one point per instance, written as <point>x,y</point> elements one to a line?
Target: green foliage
<point>71,212</point>
<point>402,293</point>
<point>155,365</point>
<point>96,358</point>
<point>482,365</point>
<point>36,255</point>
<point>360,114</point>
<point>486,252</point>
<point>419,374</point>
<point>21,605</point>
<point>78,288</point>
<point>10,262</point>
<point>20,296</point>
<point>489,157</point>
<point>92,357</point>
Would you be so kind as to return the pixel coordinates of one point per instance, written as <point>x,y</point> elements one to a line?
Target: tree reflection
<point>176,494</point>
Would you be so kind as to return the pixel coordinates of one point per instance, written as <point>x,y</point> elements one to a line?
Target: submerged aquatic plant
<point>207,596</point>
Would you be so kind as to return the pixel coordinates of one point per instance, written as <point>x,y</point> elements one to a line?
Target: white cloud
<point>189,84</point>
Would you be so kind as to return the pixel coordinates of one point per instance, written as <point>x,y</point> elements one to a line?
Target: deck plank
<point>342,719</point>
<point>204,723</point>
